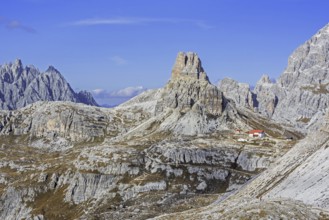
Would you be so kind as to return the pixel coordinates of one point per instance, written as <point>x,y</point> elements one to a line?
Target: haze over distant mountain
<point>20,86</point>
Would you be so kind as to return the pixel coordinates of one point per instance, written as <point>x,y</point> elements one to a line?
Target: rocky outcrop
<point>62,123</point>
<point>305,81</point>
<point>20,86</point>
<point>83,187</point>
<point>188,65</point>
<point>160,152</point>
<point>55,120</point>
<point>223,155</point>
<point>240,93</point>
<point>295,183</point>
<point>266,100</point>
<point>65,123</point>
<point>86,98</point>
<point>300,95</point>
<point>299,98</point>
<point>309,63</point>
<point>189,86</point>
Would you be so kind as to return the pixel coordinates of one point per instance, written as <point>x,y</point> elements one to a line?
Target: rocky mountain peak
<point>325,29</point>
<point>189,87</point>
<point>264,79</point>
<point>52,69</point>
<point>18,62</point>
<point>188,65</point>
<point>87,98</point>
<point>20,86</point>
<point>17,66</point>
<point>309,62</point>
<point>239,92</point>
<point>302,88</point>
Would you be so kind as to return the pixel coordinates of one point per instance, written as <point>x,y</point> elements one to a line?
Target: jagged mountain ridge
<point>20,86</point>
<point>296,185</point>
<point>170,150</point>
<point>164,151</point>
<point>190,105</point>
<point>143,158</point>
<point>302,87</point>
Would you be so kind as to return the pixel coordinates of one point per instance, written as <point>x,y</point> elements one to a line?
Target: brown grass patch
<point>52,206</point>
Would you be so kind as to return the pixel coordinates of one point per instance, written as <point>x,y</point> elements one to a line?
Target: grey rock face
<point>20,86</point>
<point>86,186</point>
<point>305,81</point>
<point>239,92</point>
<point>188,65</point>
<point>53,120</point>
<point>86,98</point>
<point>267,100</point>
<point>189,86</point>
<point>161,150</point>
<point>223,155</point>
<point>63,123</point>
<point>309,63</point>
<point>301,92</point>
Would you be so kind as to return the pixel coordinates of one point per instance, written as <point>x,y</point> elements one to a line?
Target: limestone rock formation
<point>189,87</point>
<point>86,98</point>
<point>305,81</point>
<point>302,88</point>
<point>20,86</point>
<point>167,150</point>
<point>239,92</point>
<point>188,65</point>
<point>266,98</point>
<point>298,181</point>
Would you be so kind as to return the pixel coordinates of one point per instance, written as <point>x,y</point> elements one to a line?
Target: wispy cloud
<point>118,60</point>
<point>138,21</point>
<point>113,21</point>
<point>16,25</point>
<point>203,25</point>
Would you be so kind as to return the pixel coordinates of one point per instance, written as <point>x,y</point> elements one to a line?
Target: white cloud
<point>112,21</point>
<point>136,21</point>
<point>118,60</point>
<point>98,91</point>
<point>128,92</point>
<point>122,93</point>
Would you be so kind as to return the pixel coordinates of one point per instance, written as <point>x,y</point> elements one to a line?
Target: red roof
<point>256,131</point>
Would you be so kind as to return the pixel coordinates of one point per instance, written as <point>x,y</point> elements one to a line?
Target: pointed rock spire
<point>18,62</point>
<point>52,69</point>
<point>188,65</point>
<point>189,88</point>
<point>264,79</point>
<point>17,66</point>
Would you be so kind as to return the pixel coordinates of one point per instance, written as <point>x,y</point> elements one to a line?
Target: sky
<point>118,49</point>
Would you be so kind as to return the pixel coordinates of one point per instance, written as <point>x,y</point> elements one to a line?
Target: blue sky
<point>108,45</point>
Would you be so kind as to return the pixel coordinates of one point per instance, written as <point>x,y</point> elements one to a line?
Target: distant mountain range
<point>20,86</point>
